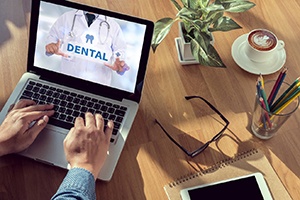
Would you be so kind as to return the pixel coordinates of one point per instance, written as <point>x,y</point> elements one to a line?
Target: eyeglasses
<point>203,147</point>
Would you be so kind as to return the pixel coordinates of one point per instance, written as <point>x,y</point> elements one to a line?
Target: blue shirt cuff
<point>79,183</point>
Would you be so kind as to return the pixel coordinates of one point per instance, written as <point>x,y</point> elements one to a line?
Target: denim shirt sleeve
<point>78,184</point>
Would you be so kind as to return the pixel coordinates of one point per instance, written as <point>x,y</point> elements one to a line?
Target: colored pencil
<point>264,96</point>
<point>276,86</point>
<point>288,100</point>
<point>258,85</point>
<point>266,114</point>
<point>262,80</point>
<point>285,95</point>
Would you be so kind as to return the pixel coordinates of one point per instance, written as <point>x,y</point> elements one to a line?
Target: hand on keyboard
<point>87,143</point>
<point>68,105</point>
<point>22,125</point>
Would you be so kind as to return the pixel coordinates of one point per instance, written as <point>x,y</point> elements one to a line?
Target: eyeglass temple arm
<point>210,105</point>
<point>174,141</point>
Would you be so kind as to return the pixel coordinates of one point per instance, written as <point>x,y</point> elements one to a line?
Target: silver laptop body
<point>124,89</point>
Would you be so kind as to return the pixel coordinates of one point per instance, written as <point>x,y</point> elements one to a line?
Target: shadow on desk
<point>277,144</point>
<point>174,162</point>
<point>22,178</point>
<point>12,12</point>
<point>127,181</point>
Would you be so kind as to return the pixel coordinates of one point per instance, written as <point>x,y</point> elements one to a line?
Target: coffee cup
<point>262,45</point>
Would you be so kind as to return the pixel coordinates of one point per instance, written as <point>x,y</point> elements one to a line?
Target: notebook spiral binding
<point>216,166</point>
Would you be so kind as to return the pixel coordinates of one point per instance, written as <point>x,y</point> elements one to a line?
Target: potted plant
<point>199,18</point>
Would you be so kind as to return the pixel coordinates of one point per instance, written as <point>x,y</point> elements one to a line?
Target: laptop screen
<point>90,44</point>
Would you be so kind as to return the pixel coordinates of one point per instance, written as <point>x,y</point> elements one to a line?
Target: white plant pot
<point>185,47</point>
<point>184,52</point>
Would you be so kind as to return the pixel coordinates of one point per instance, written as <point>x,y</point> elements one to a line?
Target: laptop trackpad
<point>48,147</point>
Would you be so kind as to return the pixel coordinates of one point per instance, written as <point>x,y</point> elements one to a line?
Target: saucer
<point>264,68</point>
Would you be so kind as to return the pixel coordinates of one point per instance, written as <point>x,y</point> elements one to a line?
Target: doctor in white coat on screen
<point>92,46</point>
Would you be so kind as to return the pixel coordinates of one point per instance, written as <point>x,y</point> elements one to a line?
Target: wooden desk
<point>150,160</point>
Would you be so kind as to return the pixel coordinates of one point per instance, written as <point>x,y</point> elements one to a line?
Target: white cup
<point>262,45</point>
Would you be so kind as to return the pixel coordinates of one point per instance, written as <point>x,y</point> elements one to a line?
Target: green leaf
<point>193,4</point>
<point>161,29</point>
<point>227,1</point>
<point>202,39</point>
<point>203,3</point>
<point>200,18</point>
<point>189,26</point>
<point>216,16</point>
<point>185,3</point>
<point>214,57</point>
<point>214,7</point>
<point>206,58</point>
<point>177,6</point>
<point>198,24</point>
<point>188,14</point>
<point>224,24</point>
<point>215,12</point>
<point>240,6</point>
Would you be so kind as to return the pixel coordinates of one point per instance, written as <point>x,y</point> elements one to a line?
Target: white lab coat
<point>110,42</point>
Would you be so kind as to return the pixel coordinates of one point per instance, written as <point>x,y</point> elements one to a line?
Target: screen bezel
<point>83,84</point>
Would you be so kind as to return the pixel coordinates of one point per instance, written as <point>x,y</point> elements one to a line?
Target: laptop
<point>81,76</point>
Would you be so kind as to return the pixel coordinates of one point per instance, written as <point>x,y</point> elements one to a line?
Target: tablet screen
<point>245,188</point>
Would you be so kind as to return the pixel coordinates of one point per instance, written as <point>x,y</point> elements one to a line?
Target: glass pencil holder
<point>267,121</point>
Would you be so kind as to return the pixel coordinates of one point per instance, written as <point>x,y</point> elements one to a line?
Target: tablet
<point>251,186</point>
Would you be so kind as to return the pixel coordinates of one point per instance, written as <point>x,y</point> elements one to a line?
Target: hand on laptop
<point>87,143</point>
<point>22,125</point>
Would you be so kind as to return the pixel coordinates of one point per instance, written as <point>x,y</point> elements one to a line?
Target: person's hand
<point>22,125</point>
<point>87,143</point>
<point>54,48</point>
<point>118,66</point>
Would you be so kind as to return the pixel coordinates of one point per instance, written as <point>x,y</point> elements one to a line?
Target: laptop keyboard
<point>69,105</point>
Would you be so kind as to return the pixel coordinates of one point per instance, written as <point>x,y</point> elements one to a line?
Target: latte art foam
<point>262,40</point>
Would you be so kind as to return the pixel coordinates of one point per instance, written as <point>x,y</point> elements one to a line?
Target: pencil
<point>258,85</point>
<point>262,80</point>
<point>266,114</point>
<point>277,86</point>
<point>264,96</point>
<point>286,94</point>
<point>288,101</point>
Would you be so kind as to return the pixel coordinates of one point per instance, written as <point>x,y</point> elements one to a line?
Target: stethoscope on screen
<point>71,33</point>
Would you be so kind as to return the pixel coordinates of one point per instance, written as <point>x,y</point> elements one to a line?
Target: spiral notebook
<point>243,164</point>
